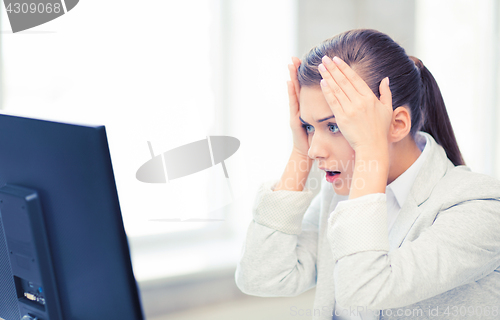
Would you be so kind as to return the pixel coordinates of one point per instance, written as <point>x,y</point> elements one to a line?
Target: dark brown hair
<point>374,56</point>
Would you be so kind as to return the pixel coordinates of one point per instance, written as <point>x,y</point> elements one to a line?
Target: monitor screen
<point>69,168</point>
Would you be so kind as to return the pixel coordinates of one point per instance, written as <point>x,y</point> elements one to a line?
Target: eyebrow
<point>321,120</point>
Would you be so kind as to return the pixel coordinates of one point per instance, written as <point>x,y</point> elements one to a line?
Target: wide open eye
<point>333,127</point>
<point>308,128</point>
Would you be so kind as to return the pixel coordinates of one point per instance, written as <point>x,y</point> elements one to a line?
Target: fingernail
<point>387,81</point>
<point>323,82</point>
<point>336,60</point>
<point>322,67</point>
<point>326,60</point>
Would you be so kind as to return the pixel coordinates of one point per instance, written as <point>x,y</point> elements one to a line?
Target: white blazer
<point>441,259</point>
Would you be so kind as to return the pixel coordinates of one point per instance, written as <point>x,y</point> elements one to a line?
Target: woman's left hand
<point>362,118</point>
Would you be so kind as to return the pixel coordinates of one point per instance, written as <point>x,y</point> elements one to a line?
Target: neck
<point>402,155</point>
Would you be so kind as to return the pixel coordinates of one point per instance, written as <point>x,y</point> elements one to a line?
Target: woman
<point>401,228</point>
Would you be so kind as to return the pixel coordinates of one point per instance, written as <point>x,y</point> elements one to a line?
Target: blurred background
<point>174,72</point>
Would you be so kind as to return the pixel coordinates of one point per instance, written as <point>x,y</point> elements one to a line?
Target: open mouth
<point>332,173</point>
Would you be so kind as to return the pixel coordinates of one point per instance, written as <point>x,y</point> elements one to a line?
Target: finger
<point>385,92</point>
<point>293,75</point>
<point>331,99</point>
<point>296,61</point>
<point>293,101</point>
<point>342,81</point>
<point>356,81</point>
<point>333,86</point>
<point>293,78</point>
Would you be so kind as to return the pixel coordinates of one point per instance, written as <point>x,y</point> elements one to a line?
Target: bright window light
<point>147,73</point>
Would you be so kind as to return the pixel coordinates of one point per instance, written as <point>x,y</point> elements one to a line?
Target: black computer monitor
<point>63,249</point>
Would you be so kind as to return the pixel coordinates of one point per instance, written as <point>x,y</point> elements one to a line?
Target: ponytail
<point>436,120</point>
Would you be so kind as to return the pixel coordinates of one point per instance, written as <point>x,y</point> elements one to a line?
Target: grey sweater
<point>441,259</point>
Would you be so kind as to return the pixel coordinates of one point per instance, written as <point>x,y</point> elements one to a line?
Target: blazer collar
<point>433,169</point>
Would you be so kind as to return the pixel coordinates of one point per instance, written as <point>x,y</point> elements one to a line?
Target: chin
<point>340,190</point>
<point>342,193</point>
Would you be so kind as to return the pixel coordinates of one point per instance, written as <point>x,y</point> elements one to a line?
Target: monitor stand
<point>28,288</point>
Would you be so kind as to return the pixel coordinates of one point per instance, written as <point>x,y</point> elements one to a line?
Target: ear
<point>400,124</point>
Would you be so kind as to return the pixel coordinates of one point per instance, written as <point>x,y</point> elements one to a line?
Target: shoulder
<point>460,184</point>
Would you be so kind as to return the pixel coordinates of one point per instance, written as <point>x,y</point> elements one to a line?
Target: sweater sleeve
<point>279,253</point>
<point>462,246</point>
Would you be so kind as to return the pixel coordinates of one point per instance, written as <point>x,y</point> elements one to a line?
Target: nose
<point>317,148</point>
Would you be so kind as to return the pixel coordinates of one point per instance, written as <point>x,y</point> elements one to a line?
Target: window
<point>170,73</point>
<point>458,42</point>
<point>147,74</point>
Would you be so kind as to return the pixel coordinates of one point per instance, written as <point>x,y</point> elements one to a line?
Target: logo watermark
<point>25,15</point>
<point>428,311</point>
<point>345,167</point>
<point>184,161</point>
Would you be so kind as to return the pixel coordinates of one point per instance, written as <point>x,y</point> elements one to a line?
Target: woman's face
<point>327,145</point>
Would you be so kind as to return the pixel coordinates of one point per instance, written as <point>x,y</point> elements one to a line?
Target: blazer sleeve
<point>279,253</point>
<point>462,246</point>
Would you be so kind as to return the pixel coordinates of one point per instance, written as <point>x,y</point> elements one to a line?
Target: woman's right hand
<point>300,141</point>
<point>294,177</point>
